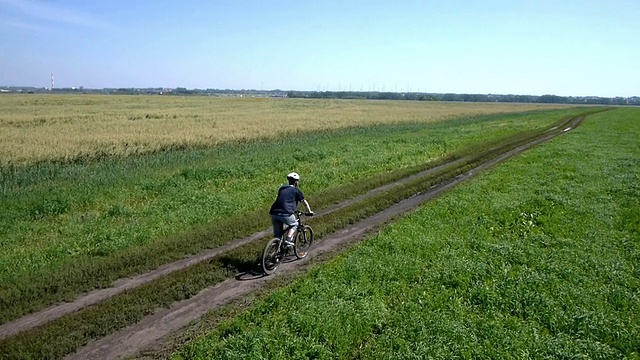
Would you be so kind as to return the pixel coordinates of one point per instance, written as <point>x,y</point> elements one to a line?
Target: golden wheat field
<point>38,128</point>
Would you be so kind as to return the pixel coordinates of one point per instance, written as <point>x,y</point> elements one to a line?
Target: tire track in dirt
<point>132,339</point>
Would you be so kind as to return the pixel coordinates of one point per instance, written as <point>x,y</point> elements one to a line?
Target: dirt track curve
<point>132,339</point>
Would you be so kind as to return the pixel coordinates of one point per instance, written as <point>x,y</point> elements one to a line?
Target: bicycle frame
<point>276,249</point>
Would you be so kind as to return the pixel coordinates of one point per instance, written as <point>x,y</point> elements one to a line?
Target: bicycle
<point>276,249</point>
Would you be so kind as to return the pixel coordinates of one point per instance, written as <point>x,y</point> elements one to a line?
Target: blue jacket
<point>287,201</point>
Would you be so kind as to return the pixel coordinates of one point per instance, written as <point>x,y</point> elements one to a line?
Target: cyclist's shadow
<point>249,270</point>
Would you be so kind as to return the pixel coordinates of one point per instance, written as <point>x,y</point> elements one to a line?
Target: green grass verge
<point>64,335</point>
<point>535,259</point>
<point>70,228</point>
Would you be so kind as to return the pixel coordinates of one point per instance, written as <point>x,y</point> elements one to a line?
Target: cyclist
<point>285,206</point>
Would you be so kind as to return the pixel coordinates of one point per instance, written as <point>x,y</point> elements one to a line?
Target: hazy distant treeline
<point>551,99</point>
<point>370,95</point>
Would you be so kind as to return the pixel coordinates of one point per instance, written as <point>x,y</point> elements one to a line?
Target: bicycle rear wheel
<point>271,256</point>
<point>303,241</point>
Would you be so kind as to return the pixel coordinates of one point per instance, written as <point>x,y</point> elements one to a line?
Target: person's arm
<point>306,204</point>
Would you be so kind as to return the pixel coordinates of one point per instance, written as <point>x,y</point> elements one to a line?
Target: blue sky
<point>580,48</point>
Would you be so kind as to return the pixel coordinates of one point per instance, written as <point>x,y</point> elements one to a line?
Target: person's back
<point>287,200</point>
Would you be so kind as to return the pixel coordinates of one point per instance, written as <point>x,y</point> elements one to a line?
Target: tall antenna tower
<point>52,81</point>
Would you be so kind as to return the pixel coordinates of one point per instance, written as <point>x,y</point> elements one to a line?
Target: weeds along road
<point>143,334</point>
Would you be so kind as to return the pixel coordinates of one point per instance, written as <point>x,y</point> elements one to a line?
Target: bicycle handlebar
<point>304,213</point>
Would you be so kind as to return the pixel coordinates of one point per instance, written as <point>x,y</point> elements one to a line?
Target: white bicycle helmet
<point>293,176</point>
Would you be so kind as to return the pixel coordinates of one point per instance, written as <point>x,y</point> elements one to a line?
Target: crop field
<point>70,128</point>
<point>537,258</point>
<point>116,191</point>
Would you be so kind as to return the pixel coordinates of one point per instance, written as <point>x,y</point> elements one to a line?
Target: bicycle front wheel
<point>271,256</point>
<point>303,241</point>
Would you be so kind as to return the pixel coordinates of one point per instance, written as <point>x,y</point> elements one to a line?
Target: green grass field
<point>71,227</point>
<point>65,334</point>
<point>537,258</point>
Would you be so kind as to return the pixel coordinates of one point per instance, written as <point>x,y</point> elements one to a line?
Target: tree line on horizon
<point>364,95</point>
<point>509,98</point>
